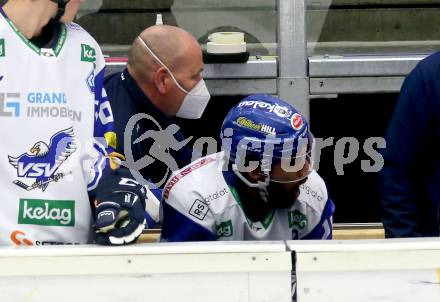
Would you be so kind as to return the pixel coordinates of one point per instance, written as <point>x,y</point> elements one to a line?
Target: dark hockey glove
<point>120,213</point>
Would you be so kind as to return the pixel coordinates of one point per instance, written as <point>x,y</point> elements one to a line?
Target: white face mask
<point>196,99</point>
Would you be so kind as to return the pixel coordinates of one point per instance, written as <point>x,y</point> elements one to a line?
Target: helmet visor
<point>291,167</point>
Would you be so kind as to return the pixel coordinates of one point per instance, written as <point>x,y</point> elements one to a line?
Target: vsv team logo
<point>43,160</point>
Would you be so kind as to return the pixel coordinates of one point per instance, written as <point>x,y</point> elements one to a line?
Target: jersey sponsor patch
<point>18,238</point>
<point>298,219</point>
<point>47,212</point>
<point>173,181</point>
<point>46,242</point>
<point>224,229</point>
<point>199,209</point>
<point>9,104</point>
<point>215,195</point>
<point>37,105</point>
<point>309,191</point>
<point>43,161</point>
<point>88,53</point>
<point>2,48</point>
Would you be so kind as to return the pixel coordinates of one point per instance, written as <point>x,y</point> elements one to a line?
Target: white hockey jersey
<point>48,100</point>
<point>199,204</point>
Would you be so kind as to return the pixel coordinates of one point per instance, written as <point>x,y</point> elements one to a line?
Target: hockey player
<point>52,105</point>
<point>262,185</point>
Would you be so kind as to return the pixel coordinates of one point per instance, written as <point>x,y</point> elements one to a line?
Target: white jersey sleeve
<point>311,215</point>
<point>188,215</point>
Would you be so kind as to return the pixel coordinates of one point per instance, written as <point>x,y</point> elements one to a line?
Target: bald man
<point>162,80</point>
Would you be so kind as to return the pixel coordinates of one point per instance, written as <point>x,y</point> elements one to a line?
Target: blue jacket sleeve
<point>104,142</point>
<point>402,180</point>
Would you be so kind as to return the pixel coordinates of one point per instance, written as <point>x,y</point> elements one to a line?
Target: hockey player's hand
<point>120,214</point>
<point>119,219</point>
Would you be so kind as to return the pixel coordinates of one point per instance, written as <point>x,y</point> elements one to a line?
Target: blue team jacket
<point>410,180</point>
<point>127,99</point>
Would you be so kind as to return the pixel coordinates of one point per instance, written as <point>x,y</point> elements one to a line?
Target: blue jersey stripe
<point>319,231</point>
<point>177,227</point>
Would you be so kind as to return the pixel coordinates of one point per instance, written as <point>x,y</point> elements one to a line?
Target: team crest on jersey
<point>43,160</point>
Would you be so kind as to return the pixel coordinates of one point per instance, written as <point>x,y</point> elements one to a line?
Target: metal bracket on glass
<point>242,86</point>
<point>295,90</point>
<point>293,84</point>
<point>253,69</point>
<point>352,66</point>
<point>353,85</point>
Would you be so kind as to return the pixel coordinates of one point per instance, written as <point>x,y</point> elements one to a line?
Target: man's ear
<point>161,80</point>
